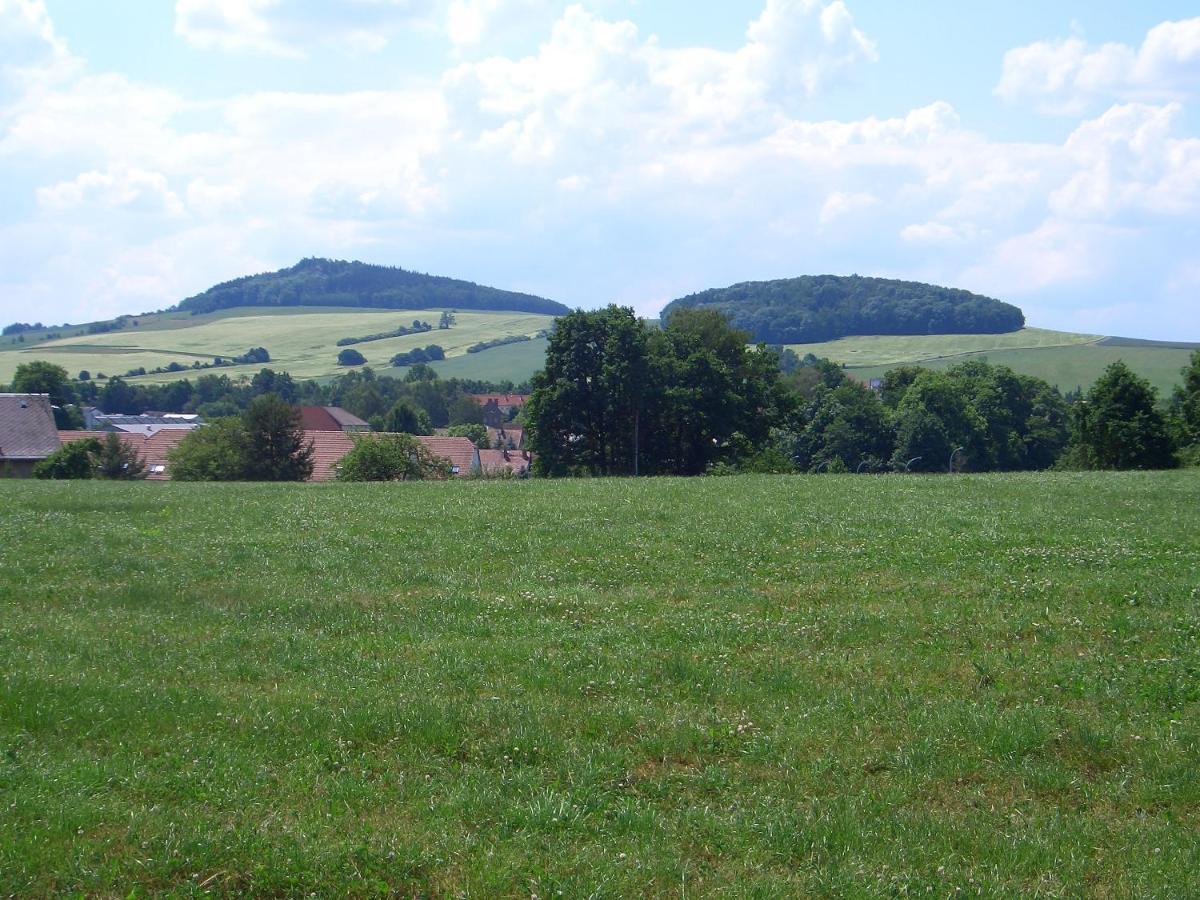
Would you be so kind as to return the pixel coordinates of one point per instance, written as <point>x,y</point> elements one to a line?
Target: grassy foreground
<point>750,686</point>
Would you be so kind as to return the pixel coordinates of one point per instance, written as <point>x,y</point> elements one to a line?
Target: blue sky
<point>606,150</point>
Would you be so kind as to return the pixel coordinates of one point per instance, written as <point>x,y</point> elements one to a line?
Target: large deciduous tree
<point>618,399</point>
<point>1118,426</point>
<point>41,377</point>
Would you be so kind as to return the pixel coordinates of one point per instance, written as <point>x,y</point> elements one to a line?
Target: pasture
<point>1063,359</point>
<point>753,686</point>
<point>301,340</point>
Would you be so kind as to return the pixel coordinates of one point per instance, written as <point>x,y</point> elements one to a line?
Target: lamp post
<point>954,453</point>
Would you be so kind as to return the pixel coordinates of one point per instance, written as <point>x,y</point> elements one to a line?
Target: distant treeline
<point>418,327</point>
<point>432,353</point>
<point>500,342</point>
<point>323,282</point>
<point>816,308</point>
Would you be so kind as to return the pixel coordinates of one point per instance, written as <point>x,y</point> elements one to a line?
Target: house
<point>330,446</point>
<point>27,433</point>
<point>501,462</point>
<point>507,437</point>
<point>151,448</point>
<point>331,418</point>
<point>498,408</point>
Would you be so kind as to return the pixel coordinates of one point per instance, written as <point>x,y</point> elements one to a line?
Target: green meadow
<point>301,340</point>
<point>752,686</point>
<point>1064,359</point>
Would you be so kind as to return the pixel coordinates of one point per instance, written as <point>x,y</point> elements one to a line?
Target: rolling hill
<point>828,307</point>
<point>325,282</point>
<point>301,341</point>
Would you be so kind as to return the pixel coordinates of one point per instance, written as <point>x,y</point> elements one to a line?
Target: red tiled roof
<point>26,427</point>
<point>328,449</point>
<point>151,448</point>
<point>460,452</point>
<point>501,399</point>
<point>498,460</point>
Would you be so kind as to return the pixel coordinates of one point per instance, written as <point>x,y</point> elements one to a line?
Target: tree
<point>848,424</point>
<point>118,397</point>
<point>932,421</point>
<point>1187,401</point>
<point>215,452</point>
<point>478,434</point>
<point>40,377</point>
<point>404,418</point>
<point>390,457</point>
<point>275,446</point>
<point>116,460</point>
<point>586,403</point>
<point>350,357</point>
<point>1118,427</point>
<point>72,460</point>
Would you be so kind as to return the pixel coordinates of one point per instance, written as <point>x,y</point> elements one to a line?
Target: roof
<point>329,418</point>
<point>512,434</point>
<point>328,449</point>
<point>501,399</point>
<point>151,448</point>
<point>493,461</point>
<point>26,427</point>
<point>462,455</point>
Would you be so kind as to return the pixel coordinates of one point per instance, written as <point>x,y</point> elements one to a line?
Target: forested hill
<point>324,282</point>
<point>816,308</point>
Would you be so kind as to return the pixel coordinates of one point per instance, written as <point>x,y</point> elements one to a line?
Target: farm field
<point>1064,359</point>
<point>301,341</point>
<point>757,686</point>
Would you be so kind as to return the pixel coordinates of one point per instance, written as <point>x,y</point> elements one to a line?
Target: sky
<point>606,151</point>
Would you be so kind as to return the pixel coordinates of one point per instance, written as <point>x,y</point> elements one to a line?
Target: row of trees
<point>616,398</point>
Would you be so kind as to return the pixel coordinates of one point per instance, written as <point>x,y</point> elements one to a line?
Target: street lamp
<point>953,454</point>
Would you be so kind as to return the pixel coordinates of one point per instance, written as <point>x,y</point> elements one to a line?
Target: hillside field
<point>751,686</point>
<point>301,341</point>
<point>1064,359</point>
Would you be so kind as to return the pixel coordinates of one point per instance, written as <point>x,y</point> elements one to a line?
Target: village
<point>28,436</point>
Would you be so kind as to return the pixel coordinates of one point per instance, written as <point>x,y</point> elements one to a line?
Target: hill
<point>827,307</point>
<point>302,341</point>
<point>325,282</point>
<point>1065,359</point>
<point>747,686</point>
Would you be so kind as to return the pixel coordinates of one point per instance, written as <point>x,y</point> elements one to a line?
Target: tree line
<point>617,398</point>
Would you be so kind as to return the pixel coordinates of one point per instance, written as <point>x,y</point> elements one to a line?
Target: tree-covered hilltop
<point>325,282</point>
<point>816,308</point>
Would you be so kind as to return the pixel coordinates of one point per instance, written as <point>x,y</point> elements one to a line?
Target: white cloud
<point>290,27</point>
<point>602,166</point>
<point>840,204</point>
<point>1068,76</point>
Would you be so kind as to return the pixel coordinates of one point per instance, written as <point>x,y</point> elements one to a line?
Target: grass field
<point>301,341</point>
<point>752,686</point>
<point>1062,358</point>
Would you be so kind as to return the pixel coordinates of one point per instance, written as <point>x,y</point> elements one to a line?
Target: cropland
<point>301,341</point>
<point>750,686</point>
<point>1064,359</point>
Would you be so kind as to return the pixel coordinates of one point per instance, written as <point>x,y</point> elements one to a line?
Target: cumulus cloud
<point>603,166</point>
<point>1069,76</point>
